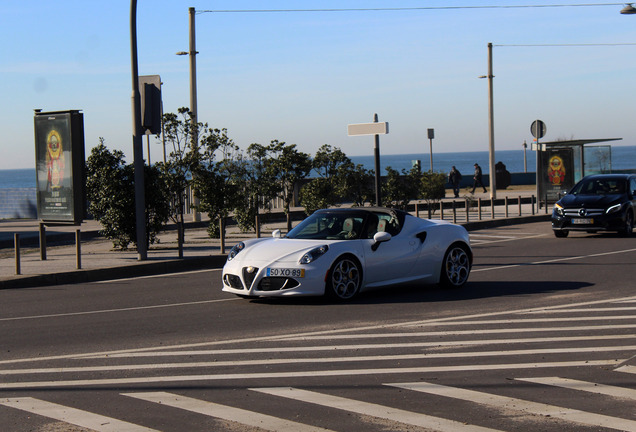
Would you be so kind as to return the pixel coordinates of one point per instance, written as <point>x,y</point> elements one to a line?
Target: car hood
<point>278,250</point>
<point>590,201</point>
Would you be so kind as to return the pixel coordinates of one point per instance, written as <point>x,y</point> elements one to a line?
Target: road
<point>542,338</point>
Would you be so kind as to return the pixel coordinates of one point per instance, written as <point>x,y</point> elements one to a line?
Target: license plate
<point>286,272</point>
<point>585,221</point>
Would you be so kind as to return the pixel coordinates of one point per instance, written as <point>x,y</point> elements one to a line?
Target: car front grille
<point>233,281</point>
<point>583,212</point>
<point>277,283</point>
<point>249,274</point>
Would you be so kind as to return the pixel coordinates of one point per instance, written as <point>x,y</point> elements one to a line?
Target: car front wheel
<point>344,280</point>
<point>455,267</point>
<point>629,225</point>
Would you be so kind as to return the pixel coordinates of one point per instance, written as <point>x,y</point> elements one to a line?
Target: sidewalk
<point>99,261</point>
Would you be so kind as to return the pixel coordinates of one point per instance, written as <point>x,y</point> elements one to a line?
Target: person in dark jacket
<point>454,177</point>
<point>477,179</point>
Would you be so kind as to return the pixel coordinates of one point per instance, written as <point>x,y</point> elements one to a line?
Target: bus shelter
<point>560,164</point>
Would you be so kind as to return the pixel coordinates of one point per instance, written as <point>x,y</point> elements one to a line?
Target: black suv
<point>602,202</point>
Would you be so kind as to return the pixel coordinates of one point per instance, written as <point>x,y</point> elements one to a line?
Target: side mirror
<point>378,238</point>
<point>276,234</point>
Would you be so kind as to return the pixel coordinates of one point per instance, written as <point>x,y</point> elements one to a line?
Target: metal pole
<point>376,151</point>
<point>140,204</point>
<point>16,245</point>
<point>196,216</point>
<point>78,249</point>
<point>42,242</point>
<point>430,145</point>
<point>491,127</point>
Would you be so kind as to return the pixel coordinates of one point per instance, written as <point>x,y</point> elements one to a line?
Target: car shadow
<point>413,293</point>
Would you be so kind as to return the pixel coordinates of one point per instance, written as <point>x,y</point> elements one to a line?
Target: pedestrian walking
<point>477,179</point>
<point>454,177</point>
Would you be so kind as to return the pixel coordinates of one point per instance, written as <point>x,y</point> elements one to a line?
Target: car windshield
<point>329,226</point>
<point>599,186</point>
<point>347,225</point>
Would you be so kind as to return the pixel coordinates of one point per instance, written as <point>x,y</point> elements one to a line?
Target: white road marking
<point>607,390</point>
<point>554,260</point>
<point>299,374</point>
<point>129,309</point>
<point>74,416</point>
<point>158,276</point>
<point>428,322</point>
<point>435,344</point>
<point>508,403</point>
<point>290,361</point>
<point>477,331</point>
<point>371,409</point>
<point>627,369</point>
<point>585,310</point>
<point>237,415</point>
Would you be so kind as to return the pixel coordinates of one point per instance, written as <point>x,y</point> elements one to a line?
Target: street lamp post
<point>140,205</point>
<point>491,127</point>
<point>196,217</point>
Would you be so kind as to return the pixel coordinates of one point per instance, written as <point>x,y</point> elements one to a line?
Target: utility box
<point>60,166</point>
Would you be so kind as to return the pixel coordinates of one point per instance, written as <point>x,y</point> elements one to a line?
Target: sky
<point>302,77</point>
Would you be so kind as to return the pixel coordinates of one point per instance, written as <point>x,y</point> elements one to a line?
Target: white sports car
<point>340,252</point>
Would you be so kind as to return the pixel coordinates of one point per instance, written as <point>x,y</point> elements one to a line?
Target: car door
<point>392,260</point>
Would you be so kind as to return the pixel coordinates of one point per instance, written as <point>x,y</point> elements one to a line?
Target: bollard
<point>506,206</point>
<point>428,208</point>
<point>454,213</point>
<point>532,204</point>
<point>519,199</point>
<point>180,238</point>
<point>479,208</point>
<point>492,208</point>
<point>258,225</point>
<point>441,210</point>
<point>78,249</point>
<point>222,234</point>
<point>417,210</point>
<point>42,242</point>
<point>546,203</point>
<point>467,205</point>
<point>16,245</point>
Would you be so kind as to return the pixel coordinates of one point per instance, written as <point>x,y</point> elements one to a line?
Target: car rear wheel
<point>629,225</point>
<point>455,267</point>
<point>344,280</point>
<point>561,233</point>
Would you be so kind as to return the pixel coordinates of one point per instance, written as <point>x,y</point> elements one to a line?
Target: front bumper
<point>590,222</point>
<point>252,281</point>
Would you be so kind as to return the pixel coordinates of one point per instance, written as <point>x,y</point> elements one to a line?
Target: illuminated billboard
<point>59,162</point>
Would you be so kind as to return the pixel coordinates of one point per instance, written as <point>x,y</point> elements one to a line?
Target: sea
<point>622,158</point>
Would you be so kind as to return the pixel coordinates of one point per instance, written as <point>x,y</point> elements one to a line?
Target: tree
<point>215,181</point>
<point>432,187</point>
<point>358,184</point>
<point>332,167</point>
<point>398,190</point>
<point>177,169</point>
<point>288,166</point>
<point>110,191</point>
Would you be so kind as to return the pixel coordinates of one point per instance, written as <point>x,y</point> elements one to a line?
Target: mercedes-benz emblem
<point>582,212</point>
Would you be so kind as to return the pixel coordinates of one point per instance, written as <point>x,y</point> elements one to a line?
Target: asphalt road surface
<point>542,338</point>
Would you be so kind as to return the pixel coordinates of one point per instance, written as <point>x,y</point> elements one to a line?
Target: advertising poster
<point>558,171</point>
<point>54,154</point>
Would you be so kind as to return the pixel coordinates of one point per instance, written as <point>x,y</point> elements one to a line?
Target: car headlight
<point>614,208</point>
<point>235,250</point>
<point>558,209</point>
<point>314,254</point>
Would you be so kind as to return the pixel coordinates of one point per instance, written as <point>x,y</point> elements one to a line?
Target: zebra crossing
<point>565,367</point>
